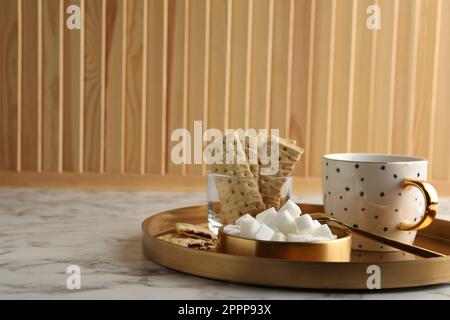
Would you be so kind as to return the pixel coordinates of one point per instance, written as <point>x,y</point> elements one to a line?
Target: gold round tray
<point>397,269</point>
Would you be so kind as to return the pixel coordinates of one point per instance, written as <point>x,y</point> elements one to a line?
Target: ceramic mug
<point>379,193</point>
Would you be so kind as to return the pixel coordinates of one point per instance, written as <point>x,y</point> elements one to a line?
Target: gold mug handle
<point>431,204</point>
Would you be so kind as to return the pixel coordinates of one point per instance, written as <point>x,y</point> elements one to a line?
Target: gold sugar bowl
<point>338,250</point>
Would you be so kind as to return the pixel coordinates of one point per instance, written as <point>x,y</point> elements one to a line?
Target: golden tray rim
<point>293,273</point>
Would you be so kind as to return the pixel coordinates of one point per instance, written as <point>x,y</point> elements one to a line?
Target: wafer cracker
<point>237,187</point>
<point>289,155</point>
<point>187,242</point>
<point>195,231</point>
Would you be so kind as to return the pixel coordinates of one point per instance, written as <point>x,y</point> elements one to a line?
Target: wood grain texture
<point>425,78</point>
<point>262,32</point>
<point>177,63</point>
<point>240,64</point>
<point>441,150</point>
<point>302,72</point>
<point>92,87</point>
<point>384,85</point>
<point>322,81</point>
<point>8,85</point>
<point>364,80</point>
<point>106,99</point>
<point>133,100</point>
<point>156,86</point>
<point>218,90</point>
<point>72,144</point>
<point>30,76</point>
<point>114,108</point>
<point>198,68</point>
<point>404,102</point>
<point>343,76</point>
<point>51,111</point>
<point>281,65</point>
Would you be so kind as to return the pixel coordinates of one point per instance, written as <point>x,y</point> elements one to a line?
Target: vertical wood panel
<point>92,86</point>
<point>177,54</point>
<point>197,70</point>
<point>133,104</point>
<point>30,74</point>
<point>425,78</point>
<point>302,71</point>
<point>281,66</point>
<point>322,90</point>
<point>8,85</point>
<point>365,47</point>
<point>114,121</point>
<point>51,111</point>
<point>441,152</point>
<point>72,143</point>
<point>408,25</point>
<point>384,86</point>
<point>156,86</point>
<point>262,31</point>
<point>343,75</point>
<point>218,91</point>
<point>240,68</point>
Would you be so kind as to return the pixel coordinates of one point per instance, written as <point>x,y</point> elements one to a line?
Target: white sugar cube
<point>278,236</point>
<point>292,208</point>
<point>316,223</point>
<point>295,237</point>
<point>285,222</point>
<point>249,227</point>
<point>231,229</point>
<point>264,233</point>
<point>305,223</point>
<point>244,218</point>
<point>267,216</point>
<point>322,231</point>
<point>318,239</point>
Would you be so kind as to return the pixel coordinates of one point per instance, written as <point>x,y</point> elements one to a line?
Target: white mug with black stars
<point>379,193</point>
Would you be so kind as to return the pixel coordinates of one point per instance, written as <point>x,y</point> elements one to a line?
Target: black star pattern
<point>362,179</point>
<point>347,189</point>
<point>329,193</point>
<point>376,217</point>
<point>400,194</point>
<point>355,226</point>
<point>418,174</point>
<point>361,194</point>
<point>340,197</point>
<point>332,213</point>
<point>363,209</point>
<point>383,167</point>
<point>357,166</point>
<point>382,194</point>
<point>395,176</point>
<point>359,246</point>
<point>385,229</point>
<point>338,170</point>
<point>396,210</point>
<point>345,209</point>
<point>415,219</point>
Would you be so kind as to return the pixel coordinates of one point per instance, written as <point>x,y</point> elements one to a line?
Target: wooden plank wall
<point>105,99</point>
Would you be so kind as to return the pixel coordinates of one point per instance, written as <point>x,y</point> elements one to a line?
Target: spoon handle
<point>418,251</point>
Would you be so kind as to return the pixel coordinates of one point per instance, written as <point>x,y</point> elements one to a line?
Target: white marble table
<point>42,232</point>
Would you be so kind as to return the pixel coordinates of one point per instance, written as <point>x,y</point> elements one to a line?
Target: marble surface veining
<point>42,232</point>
